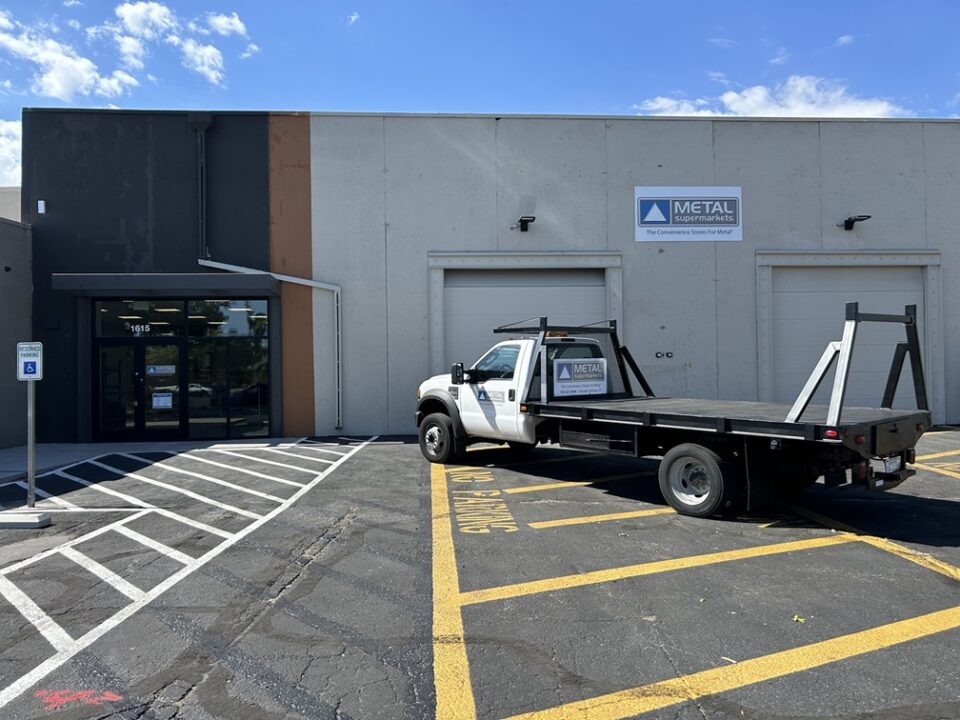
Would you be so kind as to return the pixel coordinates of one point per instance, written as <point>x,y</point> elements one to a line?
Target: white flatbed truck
<point>579,388</point>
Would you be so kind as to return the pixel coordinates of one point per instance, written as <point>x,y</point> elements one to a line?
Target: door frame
<point>140,432</point>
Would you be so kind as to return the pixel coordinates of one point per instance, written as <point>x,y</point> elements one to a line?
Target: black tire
<point>436,438</point>
<point>521,448</point>
<point>696,481</point>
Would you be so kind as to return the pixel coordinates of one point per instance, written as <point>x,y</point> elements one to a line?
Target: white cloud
<point>73,23</point>
<point>116,84</point>
<point>61,72</point>
<point>227,24</point>
<point>781,57</point>
<point>131,51</point>
<point>844,40</point>
<point>251,50</point>
<point>799,96</point>
<point>196,28</point>
<point>5,22</point>
<point>10,140</point>
<point>719,77</point>
<point>148,20</point>
<point>7,85</point>
<point>71,3</point>
<point>722,42</point>
<point>205,60</point>
<point>352,18</point>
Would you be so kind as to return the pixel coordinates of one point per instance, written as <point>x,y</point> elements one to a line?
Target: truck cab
<point>482,403</point>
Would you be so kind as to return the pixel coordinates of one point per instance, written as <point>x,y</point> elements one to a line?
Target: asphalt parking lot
<point>347,578</point>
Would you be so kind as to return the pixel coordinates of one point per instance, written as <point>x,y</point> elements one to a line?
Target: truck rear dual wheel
<point>696,481</point>
<point>436,438</point>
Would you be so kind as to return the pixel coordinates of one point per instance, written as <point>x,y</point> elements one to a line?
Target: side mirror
<point>456,374</point>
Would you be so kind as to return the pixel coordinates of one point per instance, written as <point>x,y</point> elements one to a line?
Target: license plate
<point>891,465</point>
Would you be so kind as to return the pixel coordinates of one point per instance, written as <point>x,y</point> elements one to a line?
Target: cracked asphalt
<point>327,610</point>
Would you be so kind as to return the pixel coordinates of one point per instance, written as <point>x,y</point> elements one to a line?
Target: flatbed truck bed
<point>578,387</point>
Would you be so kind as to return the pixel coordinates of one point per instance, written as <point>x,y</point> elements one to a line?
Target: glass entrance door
<point>141,383</point>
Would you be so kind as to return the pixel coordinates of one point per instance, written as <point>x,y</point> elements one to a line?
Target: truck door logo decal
<point>491,396</point>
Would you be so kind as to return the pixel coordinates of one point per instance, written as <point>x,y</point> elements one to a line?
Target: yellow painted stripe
<point>558,485</point>
<point>656,696</point>
<point>451,671</point>
<point>563,522</point>
<point>922,559</point>
<point>565,458</point>
<point>545,486</point>
<point>565,582</point>
<point>934,468</point>
<point>934,456</point>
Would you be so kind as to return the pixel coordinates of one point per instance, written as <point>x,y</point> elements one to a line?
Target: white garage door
<point>808,312</point>
<point>476,301</point>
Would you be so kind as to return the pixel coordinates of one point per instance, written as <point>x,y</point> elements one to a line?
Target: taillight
<point>833,434</point>
<point>523,408</point>
<point>860,439</point>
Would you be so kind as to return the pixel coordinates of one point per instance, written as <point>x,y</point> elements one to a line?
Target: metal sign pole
<point>31,448</point>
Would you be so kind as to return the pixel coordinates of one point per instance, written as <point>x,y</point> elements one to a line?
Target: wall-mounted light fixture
<point>852,220</point>
<point>523,223</point>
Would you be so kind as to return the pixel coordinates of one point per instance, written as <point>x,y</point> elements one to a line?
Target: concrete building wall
<point>10,203</point>
<point>16,291</point>
<point>389,190</point>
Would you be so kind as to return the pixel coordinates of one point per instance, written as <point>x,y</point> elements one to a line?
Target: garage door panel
<point>477,301</point>
<point>809,311</point>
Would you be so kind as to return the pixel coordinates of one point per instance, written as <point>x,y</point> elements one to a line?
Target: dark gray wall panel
<point>121,192</point>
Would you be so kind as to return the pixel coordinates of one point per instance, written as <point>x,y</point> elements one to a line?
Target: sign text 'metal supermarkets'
<point>687,213</point>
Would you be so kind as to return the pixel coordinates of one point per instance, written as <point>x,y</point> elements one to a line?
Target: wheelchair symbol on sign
<point>29,368</point>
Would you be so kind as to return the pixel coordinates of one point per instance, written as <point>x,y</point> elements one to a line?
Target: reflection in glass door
<point>118,397</point>
<point>161,387</point>
<point>140,390</point>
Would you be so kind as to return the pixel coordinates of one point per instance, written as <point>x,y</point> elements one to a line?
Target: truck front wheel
<point>436,438</point>
<point>696,481</point>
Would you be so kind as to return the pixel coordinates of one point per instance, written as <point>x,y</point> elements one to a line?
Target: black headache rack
<point>868,432</point>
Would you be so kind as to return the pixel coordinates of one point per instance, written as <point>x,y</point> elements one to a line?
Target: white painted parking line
<point>45,625</point>
<point>254,473</point>
<point>24,682</point>
<point>149,542</point>
<point>182,491</point>
<point>316,448</point>
<point>298,456</point>
<point>47,496</point>
<point>109,491</point>
<point>248,458</point>
<point>70,543</point>
<point>104,573</point>
<point>193,523</point>
<point>216,481</point>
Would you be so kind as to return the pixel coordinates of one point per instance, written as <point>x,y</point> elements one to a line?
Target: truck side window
<point>500,363</point>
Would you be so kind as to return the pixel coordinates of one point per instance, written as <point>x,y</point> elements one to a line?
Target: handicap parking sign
<point>29,361</point>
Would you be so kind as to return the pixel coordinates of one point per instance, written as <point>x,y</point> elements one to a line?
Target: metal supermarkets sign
<point>687,213</point>
<point>579,377</point>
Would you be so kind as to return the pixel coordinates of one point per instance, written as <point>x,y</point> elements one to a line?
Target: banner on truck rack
<point>579,377</point>
<point>687,213</point>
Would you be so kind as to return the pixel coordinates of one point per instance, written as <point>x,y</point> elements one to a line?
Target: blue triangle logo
<point>655,212</point>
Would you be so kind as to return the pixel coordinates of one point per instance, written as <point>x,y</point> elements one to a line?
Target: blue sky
<point>607,57</point>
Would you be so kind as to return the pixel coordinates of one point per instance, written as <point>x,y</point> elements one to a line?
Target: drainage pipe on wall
<point>335,289</point>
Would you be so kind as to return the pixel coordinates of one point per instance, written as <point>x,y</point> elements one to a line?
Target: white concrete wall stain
<point>387,190</point>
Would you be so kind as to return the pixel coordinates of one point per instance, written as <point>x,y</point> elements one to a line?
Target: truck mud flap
<point>600,437</point>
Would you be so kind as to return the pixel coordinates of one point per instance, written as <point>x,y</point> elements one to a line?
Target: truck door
<point>488,407</point>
